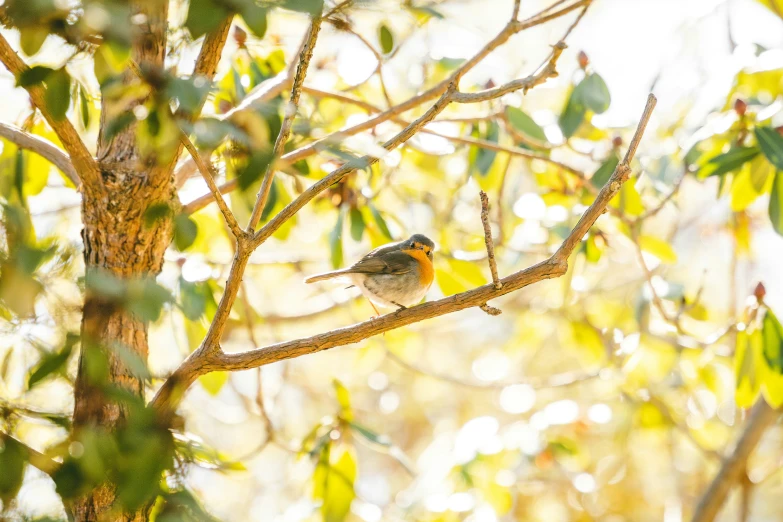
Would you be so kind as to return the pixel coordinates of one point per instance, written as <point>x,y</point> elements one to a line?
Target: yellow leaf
<point>213,382</point>
<point>457,276</point>
<point>659,248</point>
<point>333,482</point>
<point>748,365</point>
<point>742,191</point>
<point>776,6</point>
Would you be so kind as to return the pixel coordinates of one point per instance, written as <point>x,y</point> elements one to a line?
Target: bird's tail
<point>326,275</point>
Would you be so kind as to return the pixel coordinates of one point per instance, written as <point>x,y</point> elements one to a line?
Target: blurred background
<point>608,394</point>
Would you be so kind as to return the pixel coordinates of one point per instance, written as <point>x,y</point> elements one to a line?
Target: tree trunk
<point>116,241</point>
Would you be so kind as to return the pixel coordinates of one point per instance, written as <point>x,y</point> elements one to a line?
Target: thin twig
<point>493,267</point>
<point>209,357</point>
<point>288,120</point>
<point>208,173</point>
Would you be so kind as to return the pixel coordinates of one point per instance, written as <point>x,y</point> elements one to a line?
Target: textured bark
<point>117,241</point>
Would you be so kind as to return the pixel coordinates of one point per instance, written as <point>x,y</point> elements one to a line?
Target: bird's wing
<point>382,263</point>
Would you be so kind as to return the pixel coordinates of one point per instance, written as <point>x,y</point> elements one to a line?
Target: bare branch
<point>288,120</point>
<point>81,158</point>
<point>42,147</point>
<point>512,86</point>
<point>493,267</point>
<point>509,30</point>
<point>761,417</point>
<point>208,173</point>
<point>210,358</point>
<point>547,70</point>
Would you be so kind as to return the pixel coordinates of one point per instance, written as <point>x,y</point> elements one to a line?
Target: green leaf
<point>254,169</point>
<point>357,225</point>
<point>33,76</point>
<point>776,203</point>
<point>58,93</point>
<point>604,172</point>
<point>13,458</point>
<point>84,106</point>
<point>370,435</point>
<point>572,116</point>
<point>728,161</point>
<point>118,124</point>
<point>203,16</point>
<point>525,124</point>
<point>336,240</point>
<point>386,38</point>
<point>185,232</point>
<point>195,298</point>
<point>255,18</point>
<point>190,92</point>
<point>53,363</point>
<point>31,38</point>
<point>771,144</point>
<point>376,215</point>
<point>772,332</point>
<point>313,7</point>
<point>593,93</point>
<point>481,159</point>
<point>659,248</point>
<point>761,172</point>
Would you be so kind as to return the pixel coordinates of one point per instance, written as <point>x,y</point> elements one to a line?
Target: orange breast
<point>427,271</point>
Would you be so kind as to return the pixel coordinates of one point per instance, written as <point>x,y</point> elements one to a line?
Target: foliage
<point>549,411</point>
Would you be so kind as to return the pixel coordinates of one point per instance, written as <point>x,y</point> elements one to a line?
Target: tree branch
<point>547,70</point>
<point>761,417</point>
<point>288,120</point>
<point>208,173</point>
<point>42,147</point>
<point>81,158</point>
<point>36,458</point>
<point>210,358</point>
<point>512,28</point>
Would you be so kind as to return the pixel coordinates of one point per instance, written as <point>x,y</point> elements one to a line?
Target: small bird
<point>397,274</point>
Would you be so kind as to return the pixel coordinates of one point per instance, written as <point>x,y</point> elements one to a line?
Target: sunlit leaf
<point>185,231</point>
<point>604,172</point>
<point>13,458</point>
<point>53,363</point>
<point>343,399</point>
<point>333,482</point>
<point>255,18</point>
<point>336,241</point>
<point>525,124</point>
<point>213,382</point>
<point>771,144</point>
<point>593,93</point>
<point>728,161</point>
<point>380,221</point>
<point>31,38</point>
<point>357,224</point>
<point>58,93</point>
<point>748,360</point>
<point>776,203</point>
<point>659,248</point>
<point>386,39</point>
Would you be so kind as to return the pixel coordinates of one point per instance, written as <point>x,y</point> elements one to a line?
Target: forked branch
<point>81,158</point>
<point>211,358</point>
